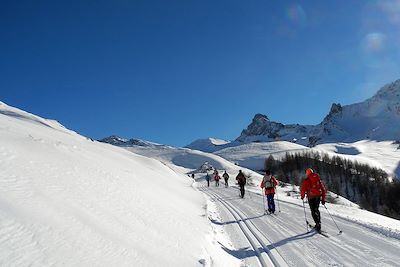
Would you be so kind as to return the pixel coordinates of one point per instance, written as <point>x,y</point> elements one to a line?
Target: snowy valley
<point>67,200</point>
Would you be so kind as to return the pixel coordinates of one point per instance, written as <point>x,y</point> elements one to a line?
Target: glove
<point>302,198</point>
<point>323,202</point>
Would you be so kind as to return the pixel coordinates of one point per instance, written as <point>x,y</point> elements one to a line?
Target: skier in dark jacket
<point>241,179</point>
<point>226,177</point>
<point>208,178</point>
<point>315,189</point>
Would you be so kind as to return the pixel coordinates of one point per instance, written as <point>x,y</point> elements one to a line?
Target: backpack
<point>241,178</point>
<point>269,183</point>
<point>315,185</point>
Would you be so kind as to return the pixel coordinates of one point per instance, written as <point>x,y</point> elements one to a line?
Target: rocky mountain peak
<point>335,108</point>
<point>260,118</point>
<point>391,90</point>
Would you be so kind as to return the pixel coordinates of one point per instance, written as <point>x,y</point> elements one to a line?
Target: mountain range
<point>377,118</point>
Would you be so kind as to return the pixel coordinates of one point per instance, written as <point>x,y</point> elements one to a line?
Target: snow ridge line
<point>265,260</point>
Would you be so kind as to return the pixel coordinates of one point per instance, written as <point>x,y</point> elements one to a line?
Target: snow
<point>68,201</point>
<point>185,160</point>
<point>208,144</point>
<point>367,239</point>
<point>253,155</point>
<point>363,231</point>
<point>381,154</point>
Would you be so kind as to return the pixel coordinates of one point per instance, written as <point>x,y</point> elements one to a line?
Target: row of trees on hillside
<point>368,186</point>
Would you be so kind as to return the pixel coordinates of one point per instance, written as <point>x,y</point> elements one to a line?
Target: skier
<point>208,178</point>
<point>226,177</point>
<point>192,175</point>
<point>269,183</point>
<point>217,178</point>
<point>315,189</point>
<point>241,179</point>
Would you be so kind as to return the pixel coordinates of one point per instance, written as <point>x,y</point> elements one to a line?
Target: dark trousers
<point>241,190</point>
<point>226,182</point>
<point>314,207</point>
<point>271,202</point>
<point>208,182</point>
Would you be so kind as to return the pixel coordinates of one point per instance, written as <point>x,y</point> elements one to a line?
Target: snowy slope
<point>208,144</point>
<point>384,154</point>
<point>185,160</point>
<point>69,201</point>
<point>282,240</point>
<point>253,155</point>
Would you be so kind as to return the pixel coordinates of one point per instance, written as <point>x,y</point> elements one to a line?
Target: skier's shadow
<point>290,239</point>
<point>235,221</point>
<point>242,253</point>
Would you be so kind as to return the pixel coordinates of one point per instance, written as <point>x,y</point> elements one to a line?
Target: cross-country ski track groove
<point>254,236</point>
<point>282,239</point>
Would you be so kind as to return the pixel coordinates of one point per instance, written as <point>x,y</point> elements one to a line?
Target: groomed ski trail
<point>254,236</point>
<point>283,239</point>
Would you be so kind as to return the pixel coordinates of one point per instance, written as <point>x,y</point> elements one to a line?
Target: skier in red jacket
<point>315,189</point>
<point>269,183</point>
<point>216,178</point>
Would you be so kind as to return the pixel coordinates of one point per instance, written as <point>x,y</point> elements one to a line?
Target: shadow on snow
<point>235,221</point>
<point>242,253</point>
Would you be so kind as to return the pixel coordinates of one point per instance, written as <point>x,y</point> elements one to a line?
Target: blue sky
<point>175,71</point>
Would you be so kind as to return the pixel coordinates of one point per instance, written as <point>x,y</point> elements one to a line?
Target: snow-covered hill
<point>208,144</point>
<point>384,155</point>
<point>282,239</point>
<point>253,155</point>
<point>68,201</point>
<point>186,160</point>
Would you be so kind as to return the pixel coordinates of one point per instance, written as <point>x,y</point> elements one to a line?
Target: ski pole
<point>340,231</point>
<point>305,217</point>
<point>277,198</point>
<point>262,195</point>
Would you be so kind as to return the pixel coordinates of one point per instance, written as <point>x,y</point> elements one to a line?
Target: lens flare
<point>295,14</point>
<point>374,42</point>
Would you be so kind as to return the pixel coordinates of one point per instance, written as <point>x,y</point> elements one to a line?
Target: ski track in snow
<point>251,233</point>
<point>284,234</point>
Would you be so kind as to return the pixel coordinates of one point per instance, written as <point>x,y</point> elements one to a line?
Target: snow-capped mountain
<point>377,118</point>
<point>262,129</point>
<point>119,141</point>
